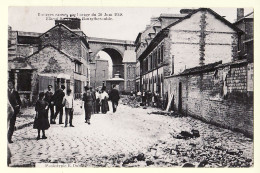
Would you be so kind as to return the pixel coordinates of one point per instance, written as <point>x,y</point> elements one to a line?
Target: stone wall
<point>218,96</point>
<point>63,39</point>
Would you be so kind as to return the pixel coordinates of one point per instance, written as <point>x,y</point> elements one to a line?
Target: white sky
<point>124,27</point>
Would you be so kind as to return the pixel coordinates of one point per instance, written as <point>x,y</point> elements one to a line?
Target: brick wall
<point>218,96</point>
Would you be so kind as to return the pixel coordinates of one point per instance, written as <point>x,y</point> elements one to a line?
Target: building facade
<point>99,71</point>
<point>57,46</point>
<point>173,43</point>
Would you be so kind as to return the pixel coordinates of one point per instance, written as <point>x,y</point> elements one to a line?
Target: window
<point>162,47</point>
<point>78,68</point>
<point>151,60</point>
<point>172,64</point>
<point>159,56</point>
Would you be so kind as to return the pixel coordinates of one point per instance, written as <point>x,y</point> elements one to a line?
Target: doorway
<point>180,98</point>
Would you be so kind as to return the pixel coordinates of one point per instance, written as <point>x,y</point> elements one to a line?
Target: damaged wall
<point>201,39</point>
<point>218,96</point>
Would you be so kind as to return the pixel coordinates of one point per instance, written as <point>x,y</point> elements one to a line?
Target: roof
<point>28,34</point>
<point>21,65</point>
<point>49,45</point>
<point>213,13</point>
<point>201,68</point>
<point>129,56</point>
<point>83,38</point>
<point>172,15</point>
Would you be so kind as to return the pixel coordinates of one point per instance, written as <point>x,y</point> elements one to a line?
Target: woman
<point>104,103</point>
<point>88,104</point>
<point>41,119</point>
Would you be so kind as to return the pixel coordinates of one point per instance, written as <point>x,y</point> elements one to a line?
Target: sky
<point>124,26</point>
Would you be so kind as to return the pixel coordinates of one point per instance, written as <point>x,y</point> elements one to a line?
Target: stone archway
<point>116,57</point>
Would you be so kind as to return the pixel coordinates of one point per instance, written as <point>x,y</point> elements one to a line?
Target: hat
<point>86,87</point>
<point>103,88</point>
<point>69,91</point>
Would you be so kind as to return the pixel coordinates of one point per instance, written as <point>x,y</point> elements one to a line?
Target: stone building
<point>173,43</point>
<point>195,59</point>
<point>99,73</point>
<point>129,68</point>
<point>58,56</point>
<point>246,43</point>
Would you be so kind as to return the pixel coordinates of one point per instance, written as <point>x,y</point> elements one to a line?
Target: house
<point>196,61</point>
<point>57,56</point>
<point>173,43</point>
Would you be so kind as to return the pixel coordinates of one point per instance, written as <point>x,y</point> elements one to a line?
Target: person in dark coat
<point>57,99</point>
<point>97,100</point>
<point>94,100</point>
<point>15,102</point>
<point>114,97</point>
<point>88,104</point>
<point>104,99</point>
<point>47,98</point>
<point>41,121</point>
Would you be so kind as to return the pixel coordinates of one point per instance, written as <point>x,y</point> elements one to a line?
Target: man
<point>47,98</point>
<point>57,99</point>
<point>114,97</point>
<point>94,100</point>
<point>15,102</point>
<point>97,95</point>
<point>88,104</point>
<point>68,102</point>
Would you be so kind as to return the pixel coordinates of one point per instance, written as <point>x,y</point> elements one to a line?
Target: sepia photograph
<point>121,87</point>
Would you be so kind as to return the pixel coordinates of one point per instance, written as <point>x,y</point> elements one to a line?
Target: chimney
<point>240,13</point>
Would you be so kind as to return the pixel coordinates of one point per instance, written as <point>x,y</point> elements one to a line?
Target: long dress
<point>104,103</point>
<point>41,121</point>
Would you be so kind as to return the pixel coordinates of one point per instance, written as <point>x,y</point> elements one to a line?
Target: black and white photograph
<point>130,87</point>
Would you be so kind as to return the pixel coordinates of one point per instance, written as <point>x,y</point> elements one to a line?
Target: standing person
<point>94,100</point>
<point>15,102</point>
<point>57,99</point>
<point>144,95</point>
<point>97,101</point>
<point>88,104</point>
<point>104,103</point>
<point>114,97</point>
<point>41,119</point>
<point>47,98</point>
<point>68,101</point>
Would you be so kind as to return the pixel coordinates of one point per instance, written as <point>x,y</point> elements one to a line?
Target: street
<point>131,137</point>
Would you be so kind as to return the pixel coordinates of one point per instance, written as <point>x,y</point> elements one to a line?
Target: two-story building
<point>57,56</point>
<point>175,42</point>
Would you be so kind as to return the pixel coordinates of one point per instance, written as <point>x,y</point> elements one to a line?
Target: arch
<point>116,56</point>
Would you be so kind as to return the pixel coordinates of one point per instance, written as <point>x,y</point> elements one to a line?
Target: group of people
<point>93,101</point>
<point>150,98</point>
<point>97,101</point>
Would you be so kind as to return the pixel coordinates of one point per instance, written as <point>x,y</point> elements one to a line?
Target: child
<point>41,119</point>
<point>68,102</point>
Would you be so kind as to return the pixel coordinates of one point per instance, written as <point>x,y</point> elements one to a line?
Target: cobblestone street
<point>131,137</point>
